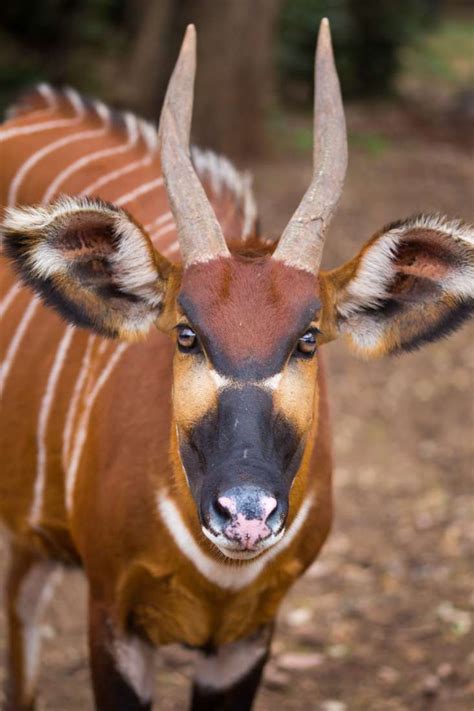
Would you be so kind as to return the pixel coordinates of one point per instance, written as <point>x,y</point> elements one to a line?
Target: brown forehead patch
<point>248,311</point>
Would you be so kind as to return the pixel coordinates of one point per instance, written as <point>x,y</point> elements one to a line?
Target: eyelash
<point>311,341</point>
<point>185,331</point>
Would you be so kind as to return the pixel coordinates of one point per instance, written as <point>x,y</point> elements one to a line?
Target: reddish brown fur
<point>245,306</point>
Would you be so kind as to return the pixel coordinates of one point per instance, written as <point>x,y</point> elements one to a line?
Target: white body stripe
<point>159,220</point>
<point>163,231</point>
<point>229,576</point>
<point>16,341</point>
<point>9,297</point>
<point>45,151</point>
<point>84,422</point>
<point>141,190</point>
<point>38,127</point>
<point>171,249</point>
<point>74,402</point>
<point>132,135</point>
<point>78,105</point>
<point>114,174</point>
<point>43,420</point>
<point>48,95</point>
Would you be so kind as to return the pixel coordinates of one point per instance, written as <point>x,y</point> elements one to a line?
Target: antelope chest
<point>182,609</point>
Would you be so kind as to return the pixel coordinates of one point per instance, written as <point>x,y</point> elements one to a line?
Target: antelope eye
<point>307,344</point>
<point>187,339</point>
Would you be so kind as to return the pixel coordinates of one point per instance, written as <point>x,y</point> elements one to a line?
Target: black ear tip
<point>15,248</point>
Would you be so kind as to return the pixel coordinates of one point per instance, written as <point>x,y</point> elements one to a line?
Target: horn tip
<point>189,41</point>
<point>324,36</point>
<point>324,43</point>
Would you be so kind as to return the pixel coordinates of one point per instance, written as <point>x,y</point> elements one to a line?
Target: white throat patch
<point>230,663</point>
<point>224,575</point>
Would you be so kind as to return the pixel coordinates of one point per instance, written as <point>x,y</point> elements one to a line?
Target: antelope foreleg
<point>29,588</point>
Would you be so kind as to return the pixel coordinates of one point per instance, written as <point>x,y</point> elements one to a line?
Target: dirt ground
<point>382,621</point>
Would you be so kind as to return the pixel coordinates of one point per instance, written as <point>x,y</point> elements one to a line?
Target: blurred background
<point>255,58</point>
<point>383,620</point>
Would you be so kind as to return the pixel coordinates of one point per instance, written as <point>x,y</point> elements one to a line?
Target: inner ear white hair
<point>90,261</point>
<point>377,266</point>
<point>132,257</point>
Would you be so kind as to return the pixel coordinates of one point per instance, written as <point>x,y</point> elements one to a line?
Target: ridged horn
<point>200,235</point>
<point>301,244</point>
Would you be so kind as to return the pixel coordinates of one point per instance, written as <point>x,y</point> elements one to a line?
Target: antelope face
<point>244,389</point>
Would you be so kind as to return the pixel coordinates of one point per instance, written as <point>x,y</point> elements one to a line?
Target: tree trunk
<point>140,85</point>
<point>235,72</point>
<point>235,82</point>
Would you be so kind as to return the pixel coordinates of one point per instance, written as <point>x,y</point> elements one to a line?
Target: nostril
<point>227,506</point>
<point>222,510</point>
<point>276,518</point>
<point>269,506</point>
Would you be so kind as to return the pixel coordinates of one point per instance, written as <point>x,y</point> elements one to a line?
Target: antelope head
<point>247,327</point>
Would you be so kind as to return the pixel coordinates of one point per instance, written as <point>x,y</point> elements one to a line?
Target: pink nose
<point>247,531</point>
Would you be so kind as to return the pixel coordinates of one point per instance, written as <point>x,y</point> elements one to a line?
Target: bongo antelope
<point>173,437</point>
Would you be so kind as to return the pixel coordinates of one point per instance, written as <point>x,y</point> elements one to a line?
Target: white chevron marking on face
<point>222,381</point>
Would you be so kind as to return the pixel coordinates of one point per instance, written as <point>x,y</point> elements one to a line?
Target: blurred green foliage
<point>446,55</point>
<point>367,36</point>
<point>374,144</point>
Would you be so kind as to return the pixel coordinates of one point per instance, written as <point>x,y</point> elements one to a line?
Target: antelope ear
<point>410,284</point>
<point>91,262</point>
